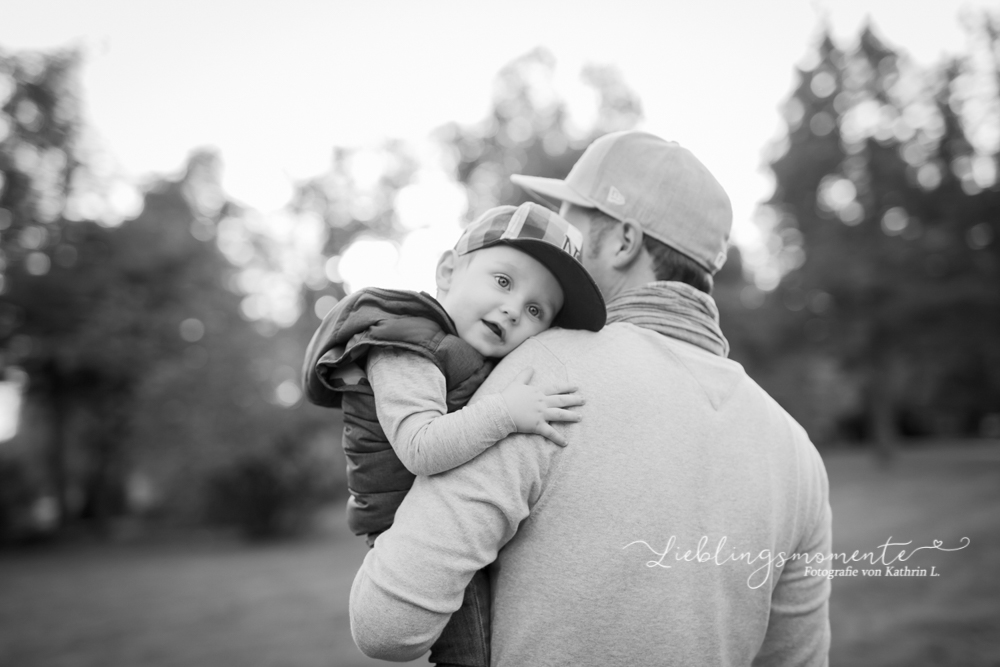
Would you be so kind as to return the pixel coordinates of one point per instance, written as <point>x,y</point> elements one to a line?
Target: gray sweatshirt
<point>675,529</point>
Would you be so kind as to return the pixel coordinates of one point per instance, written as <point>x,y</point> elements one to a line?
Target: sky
<point>276,85</point>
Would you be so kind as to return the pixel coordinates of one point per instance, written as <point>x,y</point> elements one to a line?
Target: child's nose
<point>512,310</point>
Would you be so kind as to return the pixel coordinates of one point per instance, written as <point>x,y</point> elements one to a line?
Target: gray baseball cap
<point>657,184</point>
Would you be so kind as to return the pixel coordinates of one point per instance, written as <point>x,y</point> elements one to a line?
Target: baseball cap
<point>657,184</point>
<point>545,236</point>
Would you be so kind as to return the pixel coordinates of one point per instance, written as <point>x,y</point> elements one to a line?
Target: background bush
<point>272,493</point>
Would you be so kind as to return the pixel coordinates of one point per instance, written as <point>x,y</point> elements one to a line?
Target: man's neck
<point>626,281</point>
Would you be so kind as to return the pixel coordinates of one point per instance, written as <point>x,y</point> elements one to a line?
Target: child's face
<point>498,297</point>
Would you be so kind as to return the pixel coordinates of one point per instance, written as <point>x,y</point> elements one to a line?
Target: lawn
<point>203,600</point>
<point>211,600</point>
<point>934,493</point>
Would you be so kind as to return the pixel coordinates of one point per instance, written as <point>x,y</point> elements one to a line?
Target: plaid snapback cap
<point>556,244</point>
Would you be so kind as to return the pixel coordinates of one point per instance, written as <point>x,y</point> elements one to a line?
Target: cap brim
<point>552,188</point>
<point>583,304</point>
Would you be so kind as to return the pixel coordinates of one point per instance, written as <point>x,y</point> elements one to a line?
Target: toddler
<point>403,365</point>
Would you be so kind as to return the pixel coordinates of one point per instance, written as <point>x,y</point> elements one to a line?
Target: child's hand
<point>532,408</point>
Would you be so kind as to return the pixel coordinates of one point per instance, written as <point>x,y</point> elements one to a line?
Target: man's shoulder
<point>545,354</point>
<point>565,343</point>
<point>549,354</point>
<point>570,346</point>
<point>555,346</point>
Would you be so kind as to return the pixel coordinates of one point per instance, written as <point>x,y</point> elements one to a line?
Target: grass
<point>213,601</point>
<point>198,601</point>
<point>935,493</point>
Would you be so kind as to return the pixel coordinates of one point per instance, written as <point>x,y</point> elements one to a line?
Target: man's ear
<point>445,271</point>
<point>628,237</point>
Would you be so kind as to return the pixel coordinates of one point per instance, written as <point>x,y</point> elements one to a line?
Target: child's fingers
<point>564,401</point>
<point>547,431</point>
<point>557,415</point>
<point>560,389</point>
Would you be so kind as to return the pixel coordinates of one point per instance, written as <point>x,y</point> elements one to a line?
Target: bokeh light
<point>37,263</point>
<point>370,262</point>
<point>11,391</point>
<point>980,236</point>
<point>895,220</point>
<point>432,199</point>
<point>324,305</point>
<point>192,330</point>
<point>288,393</point>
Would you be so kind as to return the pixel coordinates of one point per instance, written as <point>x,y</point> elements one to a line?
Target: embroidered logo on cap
<point>615,197</point>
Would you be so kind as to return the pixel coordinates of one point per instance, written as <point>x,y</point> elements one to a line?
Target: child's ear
<point>446,271</point>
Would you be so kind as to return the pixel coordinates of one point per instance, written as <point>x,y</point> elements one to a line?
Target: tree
<point>38,161</point>
<point>130,322</point>
<point>884,215</point>
<point>530,130</point>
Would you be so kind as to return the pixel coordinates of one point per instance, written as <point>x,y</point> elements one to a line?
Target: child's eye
<point>503,281</point>
<point>535,311</point>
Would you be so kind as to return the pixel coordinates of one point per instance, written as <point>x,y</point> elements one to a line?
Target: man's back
<point>653,538</point>
<point>648,540</point>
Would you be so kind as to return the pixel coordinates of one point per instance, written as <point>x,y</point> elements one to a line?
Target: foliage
<point>19,493</point>
<point>39,159</point>
<point>884,217</point>
<point>142,365</point>
<point>530,129</point>
<point>271,493</point>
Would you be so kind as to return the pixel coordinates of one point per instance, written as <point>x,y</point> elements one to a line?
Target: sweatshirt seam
<point>551,476</point>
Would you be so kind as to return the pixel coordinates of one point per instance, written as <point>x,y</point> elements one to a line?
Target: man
<point>685,521</point>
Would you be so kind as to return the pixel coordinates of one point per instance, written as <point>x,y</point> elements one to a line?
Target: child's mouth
<point>495,328</point>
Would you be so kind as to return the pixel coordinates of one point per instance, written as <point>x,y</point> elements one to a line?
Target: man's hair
<point>667,263</point>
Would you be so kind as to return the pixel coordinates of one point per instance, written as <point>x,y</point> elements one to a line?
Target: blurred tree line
<point>157,332</point>
<point>884,221</point>
<point>144,382</point>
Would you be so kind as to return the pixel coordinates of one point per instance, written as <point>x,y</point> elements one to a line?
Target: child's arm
<point>410,402</point>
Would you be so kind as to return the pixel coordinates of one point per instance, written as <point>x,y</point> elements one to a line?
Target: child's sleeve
<point>410,402</point>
